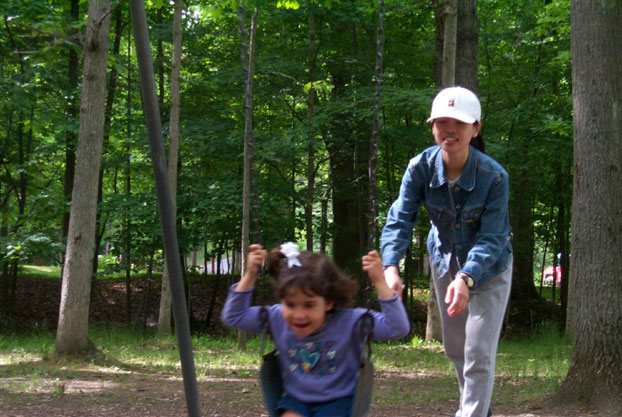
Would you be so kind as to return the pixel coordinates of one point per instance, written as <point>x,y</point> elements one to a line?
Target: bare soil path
<point>135,394</point>
<point>138,392</point>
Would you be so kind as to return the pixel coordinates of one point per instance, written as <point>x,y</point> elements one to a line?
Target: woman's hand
<point>393,280</point>
<point>254,261</point>
<point>372,264</point>
<point>457,297</point>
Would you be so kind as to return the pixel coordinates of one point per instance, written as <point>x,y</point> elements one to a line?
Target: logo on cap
<point>451,102</point>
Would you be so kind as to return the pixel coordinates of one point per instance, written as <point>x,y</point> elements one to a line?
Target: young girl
<point>319,340</point>
<point>465,193</point>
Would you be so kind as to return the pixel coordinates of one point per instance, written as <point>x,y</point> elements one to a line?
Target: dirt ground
<point>136,395</point>
<point>134,392</point>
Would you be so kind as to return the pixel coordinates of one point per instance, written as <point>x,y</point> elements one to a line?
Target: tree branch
<point>43,32</point>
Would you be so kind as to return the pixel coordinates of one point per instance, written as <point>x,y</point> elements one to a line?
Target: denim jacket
<point>469,218</point>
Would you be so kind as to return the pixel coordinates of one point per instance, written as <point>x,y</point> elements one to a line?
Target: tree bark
<point>248,58</point>
<point>595,373</point>
<point>72,112</point>
<point>450,23</point>
<point>73,333</point>
<point>311,145</point>
<point>164,318</point>
<point>467,45</point>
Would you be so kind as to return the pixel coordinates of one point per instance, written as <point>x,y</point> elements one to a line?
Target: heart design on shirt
<point>308,359</point>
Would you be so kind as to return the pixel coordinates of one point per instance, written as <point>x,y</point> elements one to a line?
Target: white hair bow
<point>290,250</point>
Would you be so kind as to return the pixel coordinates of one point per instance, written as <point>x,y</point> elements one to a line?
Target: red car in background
<point>547,276</point>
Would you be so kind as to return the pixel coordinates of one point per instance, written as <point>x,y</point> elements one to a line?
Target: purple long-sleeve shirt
<point>322,366</point>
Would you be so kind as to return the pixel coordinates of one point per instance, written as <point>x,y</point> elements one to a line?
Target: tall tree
<point>311,168</point>
<point>248,63</point>
<point>164,318</point>
<point>467,44</point>
<point>70,137</point>
<point>73,331</point>
<point>595,373</point>
<point>450,22</point>
<point>375,130</point>
<point>449,25</point>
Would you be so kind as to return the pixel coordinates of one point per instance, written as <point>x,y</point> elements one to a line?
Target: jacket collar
<point>466,180</point>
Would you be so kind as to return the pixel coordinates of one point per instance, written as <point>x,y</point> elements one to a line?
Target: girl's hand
<point>372,264</point>
<point>254,261</point>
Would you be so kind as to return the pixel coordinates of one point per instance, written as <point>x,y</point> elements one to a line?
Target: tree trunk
<point>110,96</point>
<point>324,225</point>
<point>595,373</point>
<point>341,148</point>
<point>450,24</point>
<point>164,318</point>
<point>467,45</point>
<point>521,223</point>
<point>73,332</point>
<point>72,113</point>
<point>375,132</point>
<point>127,236</point>
<point>311,145</point>
<point>248,58</point>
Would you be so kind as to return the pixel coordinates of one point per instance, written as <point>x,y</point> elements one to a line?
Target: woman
<point>465,193</point>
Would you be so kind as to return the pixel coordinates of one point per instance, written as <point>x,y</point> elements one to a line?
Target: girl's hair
<point>317,275</point>
<point>478,141</point>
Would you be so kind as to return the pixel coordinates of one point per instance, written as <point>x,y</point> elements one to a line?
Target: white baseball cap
<point>457,103</point>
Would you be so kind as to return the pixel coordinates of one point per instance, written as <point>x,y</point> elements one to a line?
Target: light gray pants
<point>471,338</point>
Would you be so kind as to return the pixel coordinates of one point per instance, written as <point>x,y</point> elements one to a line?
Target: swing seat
<point>364,388</point>
<point>272,385</point>
<point>271,381</point>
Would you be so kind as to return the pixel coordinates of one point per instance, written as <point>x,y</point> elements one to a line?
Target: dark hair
<point>478,141</point>
<point>317,274</point>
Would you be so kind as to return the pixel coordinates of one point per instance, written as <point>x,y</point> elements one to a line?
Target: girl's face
<point>304,313</point>
<point>453,135</point>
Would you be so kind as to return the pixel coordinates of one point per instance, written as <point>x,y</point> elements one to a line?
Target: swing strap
<point>269,372</point>
<point>361,403</point>
<point>367,330</point>
<point>265,328</point>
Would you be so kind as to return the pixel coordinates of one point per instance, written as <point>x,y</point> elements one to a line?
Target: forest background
<point>273,111</point>
<point>312,121</point>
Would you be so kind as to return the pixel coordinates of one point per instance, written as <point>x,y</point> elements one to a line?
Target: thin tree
<point>595,312</point>
<point>73,331</point>
<point>164,318</point>
<point>448,23</point>
<point>311,169</point>
<point>450,20</point>
<point>72,113</point>
<point>375,131</point>
<point>248,63</point>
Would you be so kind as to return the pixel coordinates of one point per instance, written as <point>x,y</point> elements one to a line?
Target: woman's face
<point>453,135</point>
<point>304,312</point>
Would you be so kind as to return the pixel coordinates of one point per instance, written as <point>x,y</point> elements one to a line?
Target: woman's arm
<point>392,322</point>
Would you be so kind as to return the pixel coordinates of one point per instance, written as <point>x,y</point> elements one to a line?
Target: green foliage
<point>525,86</point>
<point>28,247</point>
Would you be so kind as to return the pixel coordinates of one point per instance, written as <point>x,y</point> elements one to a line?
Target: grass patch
<point>534,364</point>
<point>529,368</point>
<point>104,272</point>
<point>40,271</point>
